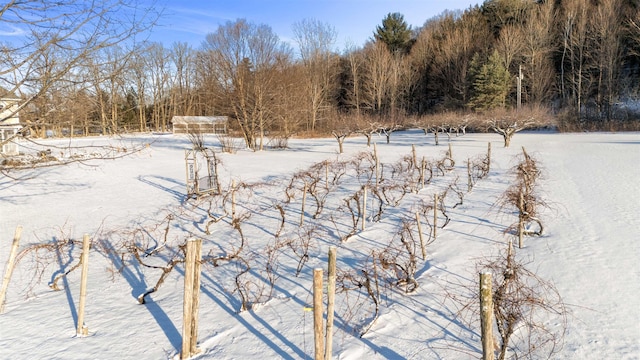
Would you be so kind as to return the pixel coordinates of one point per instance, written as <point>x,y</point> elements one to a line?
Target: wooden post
<point>326,174</point>
<point>331,295</point>
<point>191,300</point>
<point>450,151</point>
<point>488,157</point>
<point>375,156</point>
<point>364,207</point>
<point>435,215</point>
<point>83,330</point>
<point>469,177</point>
<point>233,199</point>
<point>421,172</point>
<point>304,199</point>
<point>187,304</point>
<point>10,265</point>
<point>486,316</point>
<point>424,251</point>
<point>196,296</point>
<point>317,314</point>
<point>423,169</point>
<point>520,218</point>
<point>415,158</point>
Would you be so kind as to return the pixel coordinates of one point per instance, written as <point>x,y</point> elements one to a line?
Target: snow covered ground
<point>589,250</point>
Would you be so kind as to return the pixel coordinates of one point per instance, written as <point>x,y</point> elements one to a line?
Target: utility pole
<point>519,87</point>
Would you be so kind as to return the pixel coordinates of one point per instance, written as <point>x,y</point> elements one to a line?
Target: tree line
<point>575,58</point>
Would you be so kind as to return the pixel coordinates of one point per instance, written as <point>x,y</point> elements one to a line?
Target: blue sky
<point>354,20</point>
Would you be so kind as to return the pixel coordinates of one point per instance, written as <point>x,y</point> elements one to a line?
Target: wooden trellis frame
<point>201,171</point>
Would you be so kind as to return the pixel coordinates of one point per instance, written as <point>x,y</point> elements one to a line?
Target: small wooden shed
<point>200,124</point>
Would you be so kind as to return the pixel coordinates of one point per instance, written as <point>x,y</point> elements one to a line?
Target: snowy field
<point>590,250</point>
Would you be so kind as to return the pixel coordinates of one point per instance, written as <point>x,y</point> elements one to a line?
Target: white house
<point>9,124</point>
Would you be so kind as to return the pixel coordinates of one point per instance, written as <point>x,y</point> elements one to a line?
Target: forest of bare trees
<point>88,72</point>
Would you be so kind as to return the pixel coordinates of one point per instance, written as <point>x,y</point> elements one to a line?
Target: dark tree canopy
<point>395,33</point>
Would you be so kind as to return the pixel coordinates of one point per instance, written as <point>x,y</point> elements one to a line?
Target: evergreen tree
<point>395,33</point>
<point>490,83</point>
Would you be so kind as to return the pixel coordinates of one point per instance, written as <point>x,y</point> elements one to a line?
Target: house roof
<point>7,95</point>
<point>198,119</point>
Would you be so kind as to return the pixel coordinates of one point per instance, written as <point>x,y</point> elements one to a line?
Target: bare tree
<point>69,30</point>
<point>159,72</point>
<point>508,122</point>
<point>377,72</point>
<point>210,90</point>
<point>399,81</point>
<point>608,24</point>
<point>101,96</point>
<point>355,61</point>
<point>182,59</point>
<point>453,44</point>
<point>243,56</point>
<point>367,126</point>
<point>634,30</point>
<point>538,45</point>
<point>340,135</point>
<point>138,72</point>
<point>315,40</point>
<point>116,61</point>
<point>509,44</point>
<point>288,94</point>
<point>575,52</point>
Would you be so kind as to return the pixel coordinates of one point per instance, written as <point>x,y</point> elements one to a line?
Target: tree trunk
<point>507,139</point>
